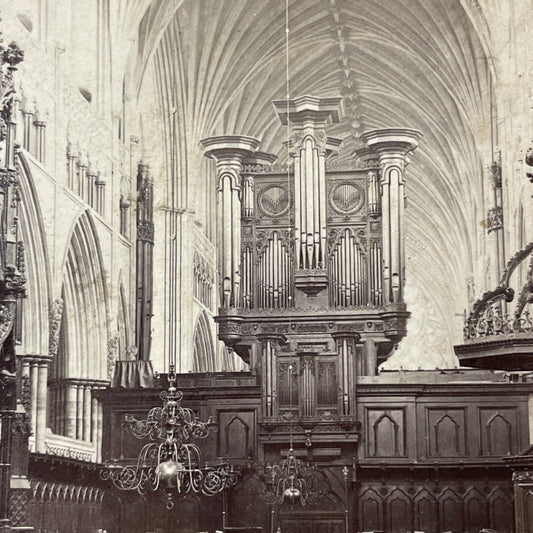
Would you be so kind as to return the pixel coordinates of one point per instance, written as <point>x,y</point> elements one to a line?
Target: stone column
<point>94,421</point>
<point>309,116</point>
<point>71,167</point>
<point>100,423</point>
<point>41,402</point>
<point>40,139</point>
<point>27,112</point>
<point>79,411</point>
<point>100,195</point>
<point>81,185</point>
<point>34,381</point>
<point>92,174</point>
<point>230,152</point>
<point>87,413</point>
<point>70,410</point>
<point>392,146</point>
<point>145,262</point>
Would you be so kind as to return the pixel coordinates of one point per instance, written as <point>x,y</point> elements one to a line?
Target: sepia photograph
<point>266,266</point>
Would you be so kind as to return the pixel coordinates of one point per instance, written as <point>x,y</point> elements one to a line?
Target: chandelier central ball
<point>292,495</point>
<point>168,472</point>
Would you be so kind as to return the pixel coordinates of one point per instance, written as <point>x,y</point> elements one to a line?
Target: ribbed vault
<point>417,63</point>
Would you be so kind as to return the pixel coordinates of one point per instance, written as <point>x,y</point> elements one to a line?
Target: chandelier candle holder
<point>171,460</point>
<point>290,481</point>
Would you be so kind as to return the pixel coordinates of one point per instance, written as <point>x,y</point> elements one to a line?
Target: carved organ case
<point>311,267</point>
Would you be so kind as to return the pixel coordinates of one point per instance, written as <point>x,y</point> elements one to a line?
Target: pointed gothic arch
<point>35,332</point>
<point>84,333</point>
<point>204,351</point>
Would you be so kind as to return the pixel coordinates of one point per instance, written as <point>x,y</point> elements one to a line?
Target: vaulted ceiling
<point>218,65</point>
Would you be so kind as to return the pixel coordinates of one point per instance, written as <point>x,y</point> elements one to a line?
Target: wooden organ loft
<point>311,263</point>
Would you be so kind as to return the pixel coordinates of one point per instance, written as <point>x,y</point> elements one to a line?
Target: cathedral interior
<point>266,266</point>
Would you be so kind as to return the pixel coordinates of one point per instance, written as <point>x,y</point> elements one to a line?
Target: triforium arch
<point>204,353</point>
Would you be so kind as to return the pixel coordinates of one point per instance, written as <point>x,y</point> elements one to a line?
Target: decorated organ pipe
<point>392,147</point>
<point>273,274</point>
<point>248,197</point>
<point>374,207</point>
<point>347,272</point>
<point>269,375</point>
<point>346,364</point>
<point>309,116</point>
<point>248,278</point>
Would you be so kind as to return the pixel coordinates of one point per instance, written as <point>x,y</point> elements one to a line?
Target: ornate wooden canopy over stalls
<point>498,331</point>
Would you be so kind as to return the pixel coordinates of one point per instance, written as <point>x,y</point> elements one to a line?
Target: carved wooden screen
<point>310,389</point>
<point>288,393</point>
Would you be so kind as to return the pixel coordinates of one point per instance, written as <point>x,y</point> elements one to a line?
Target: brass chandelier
<point>290,481</point>
<point>172,460</point>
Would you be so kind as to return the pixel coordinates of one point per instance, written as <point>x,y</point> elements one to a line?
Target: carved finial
<point>112,353</point>
<point>496,171</point>
<point>12,55</point>
<point>131,353</point>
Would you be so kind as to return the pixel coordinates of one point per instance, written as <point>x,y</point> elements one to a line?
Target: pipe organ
<point>311,268</point>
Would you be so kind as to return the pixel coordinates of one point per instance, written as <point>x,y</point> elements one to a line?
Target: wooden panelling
<point>236,434</point>
<point>445,432</point>
<point>433,507</point>
<point>500,505</point>
<point>450,510</point>
<point>398,511</point>
<point>370,510</point>
<point>498,431</point>
<point>426,515</point>
<point>385,432</point>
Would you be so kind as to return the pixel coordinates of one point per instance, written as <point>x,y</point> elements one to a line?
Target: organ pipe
<point>373,194</point>
<point>346,365</point>
<point>273,274</point>
<point>248,197</point>
<point>348,272</point>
